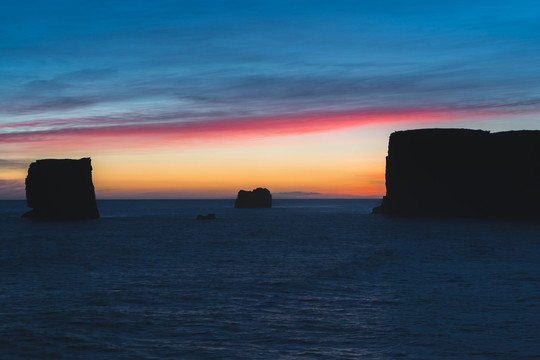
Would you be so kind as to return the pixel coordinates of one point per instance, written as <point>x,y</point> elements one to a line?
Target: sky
<point>199,99</point>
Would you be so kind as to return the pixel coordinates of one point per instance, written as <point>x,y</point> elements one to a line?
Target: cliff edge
<point>463,173</point>
<point>61,189</point>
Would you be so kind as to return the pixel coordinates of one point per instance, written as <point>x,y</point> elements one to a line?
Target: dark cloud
<point>63,103</point>
<point>258,93</point>
<point>44,104</point>
<point>12,189</point>
<point>13,164</point>
<point>87,75</point>
<point>39,86</point>
<point>218,81</point>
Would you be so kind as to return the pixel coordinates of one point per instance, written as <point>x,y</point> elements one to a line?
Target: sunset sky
<point>199,99</point>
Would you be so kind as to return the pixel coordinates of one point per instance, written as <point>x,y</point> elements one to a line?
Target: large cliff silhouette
<point>464,173</point>
<point>61,189</point>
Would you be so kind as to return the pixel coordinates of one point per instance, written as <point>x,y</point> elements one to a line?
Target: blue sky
<point>264,57</point>
<point>73,66</point>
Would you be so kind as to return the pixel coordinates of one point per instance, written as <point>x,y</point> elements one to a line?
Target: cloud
<point>66,91</point>
<point>87,75</point>
<point>13,164</point>
<point>41,105</point>
<point>12,189</point>
<point>279,86</point>
<point>165,125</point>
<point>169,129</point>
<point>44,85</point>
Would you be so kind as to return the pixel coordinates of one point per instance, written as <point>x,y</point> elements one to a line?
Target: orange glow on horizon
<point>303,164</point>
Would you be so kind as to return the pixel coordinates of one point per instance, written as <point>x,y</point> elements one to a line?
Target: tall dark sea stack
<point>463,173</point>
<point>61,189</point>
<point>258,198</point>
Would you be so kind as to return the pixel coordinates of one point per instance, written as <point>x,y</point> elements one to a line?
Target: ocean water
<point>307,279</point>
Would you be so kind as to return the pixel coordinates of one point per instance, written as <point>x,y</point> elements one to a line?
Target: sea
<point>306,279</point>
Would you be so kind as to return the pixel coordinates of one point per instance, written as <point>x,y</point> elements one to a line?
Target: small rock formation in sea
<point>463,173</point>
<point>61,189</point>
<point>206,217</point>
<point>258,198</point>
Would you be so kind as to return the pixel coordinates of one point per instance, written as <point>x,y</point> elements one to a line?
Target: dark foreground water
<point>308,279</point>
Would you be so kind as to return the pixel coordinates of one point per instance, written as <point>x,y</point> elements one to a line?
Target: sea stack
<point>258,198</point>
<point>463,173</point>
<point>61,189</point>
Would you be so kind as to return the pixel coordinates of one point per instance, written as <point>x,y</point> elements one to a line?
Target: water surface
<point>307,279</point>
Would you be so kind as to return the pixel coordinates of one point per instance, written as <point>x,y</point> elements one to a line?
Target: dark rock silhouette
<point>206,217</point>
<point>463,173</point>
<point>61,189</point>
<point>258,198</point>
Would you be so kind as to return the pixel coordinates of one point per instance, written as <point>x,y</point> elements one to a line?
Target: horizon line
<point>232,199</point>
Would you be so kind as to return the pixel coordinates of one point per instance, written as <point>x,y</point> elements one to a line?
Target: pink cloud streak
<point>165,132</point>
